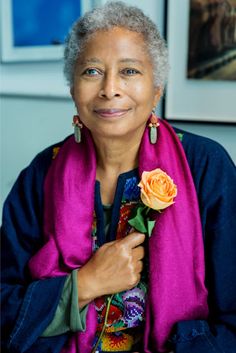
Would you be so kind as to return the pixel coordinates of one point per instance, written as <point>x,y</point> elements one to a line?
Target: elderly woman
<point>121,239</point>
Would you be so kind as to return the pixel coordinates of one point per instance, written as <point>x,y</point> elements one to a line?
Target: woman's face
<point>113,84</point>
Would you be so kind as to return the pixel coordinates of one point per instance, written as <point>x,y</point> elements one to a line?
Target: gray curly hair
<point>116,14</point>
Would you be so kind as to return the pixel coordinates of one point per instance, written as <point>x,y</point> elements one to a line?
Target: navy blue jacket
<point>28,306</point>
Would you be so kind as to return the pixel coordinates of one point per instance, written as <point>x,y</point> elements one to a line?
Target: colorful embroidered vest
<point>125,321</point>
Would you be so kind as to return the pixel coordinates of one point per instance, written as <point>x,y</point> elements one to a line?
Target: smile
<point>111,113</point>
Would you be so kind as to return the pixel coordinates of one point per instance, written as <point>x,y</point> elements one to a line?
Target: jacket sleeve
<point>68,316</point>
<point>27,306</point>
<point>215,179</point>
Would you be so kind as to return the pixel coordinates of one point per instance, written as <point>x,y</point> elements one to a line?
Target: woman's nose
<point>110,87</point>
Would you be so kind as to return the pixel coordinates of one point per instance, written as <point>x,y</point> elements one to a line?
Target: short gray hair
<point>117,14</point>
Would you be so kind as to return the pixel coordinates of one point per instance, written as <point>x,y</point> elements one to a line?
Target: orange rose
<point>157,189</point>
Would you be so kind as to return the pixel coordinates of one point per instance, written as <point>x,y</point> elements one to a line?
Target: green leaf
<point>150,226</point>
<point>137,219</point>
<point>140,221</point>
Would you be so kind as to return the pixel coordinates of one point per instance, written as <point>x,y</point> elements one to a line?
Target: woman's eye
<point>91,72</point>
<point>130,72</point>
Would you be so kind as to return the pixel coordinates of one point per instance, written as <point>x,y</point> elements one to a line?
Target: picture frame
<point>190,99</point>
<point>13,48</point>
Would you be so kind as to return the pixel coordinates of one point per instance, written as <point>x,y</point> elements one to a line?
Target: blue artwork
<point>43,22</point>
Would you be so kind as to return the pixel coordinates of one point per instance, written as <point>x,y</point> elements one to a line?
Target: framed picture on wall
<point>35,30</point>
<point>202,54</point>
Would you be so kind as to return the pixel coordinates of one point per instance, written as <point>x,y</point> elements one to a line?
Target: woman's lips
<point>111,113</point>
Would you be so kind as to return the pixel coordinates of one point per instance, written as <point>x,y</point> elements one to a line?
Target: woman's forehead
<point>127,45</point>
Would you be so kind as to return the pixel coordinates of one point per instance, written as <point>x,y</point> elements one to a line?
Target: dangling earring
<point>153,124</point>
<point>77,128</point>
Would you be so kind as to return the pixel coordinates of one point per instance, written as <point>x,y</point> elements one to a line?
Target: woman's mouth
<point>111,113</point>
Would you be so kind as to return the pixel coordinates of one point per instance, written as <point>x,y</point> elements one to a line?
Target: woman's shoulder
<point>211,166</point>
<point>32,176</point>
<point>214,176</point>
<point>31,179</point>
<point>45,157</point>
<point>202,151</point>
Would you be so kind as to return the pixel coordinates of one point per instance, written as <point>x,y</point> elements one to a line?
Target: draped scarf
<point>176,289</point>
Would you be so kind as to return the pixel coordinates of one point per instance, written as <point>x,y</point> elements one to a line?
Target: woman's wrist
<point>86,287</point>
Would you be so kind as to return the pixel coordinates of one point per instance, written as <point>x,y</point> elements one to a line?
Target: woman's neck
<point>113,159</point>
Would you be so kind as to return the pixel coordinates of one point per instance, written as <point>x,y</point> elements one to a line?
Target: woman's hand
<point>116,266</point>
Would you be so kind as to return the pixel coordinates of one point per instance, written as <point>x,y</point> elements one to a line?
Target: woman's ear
<point>157,96</point>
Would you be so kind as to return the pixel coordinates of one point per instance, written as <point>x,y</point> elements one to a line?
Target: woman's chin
<point>118,133</point>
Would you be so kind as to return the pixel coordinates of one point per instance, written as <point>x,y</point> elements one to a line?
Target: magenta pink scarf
<point>176,280</point>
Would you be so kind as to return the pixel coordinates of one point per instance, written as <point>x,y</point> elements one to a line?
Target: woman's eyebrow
<point>90,61</point>
<point>98,61</point>
<point>131,60</point>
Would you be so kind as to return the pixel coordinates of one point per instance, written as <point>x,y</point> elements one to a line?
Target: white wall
<point>36,111</point>
<point>28,125</point>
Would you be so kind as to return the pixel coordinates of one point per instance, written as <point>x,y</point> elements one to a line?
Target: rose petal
<point>157,189</point>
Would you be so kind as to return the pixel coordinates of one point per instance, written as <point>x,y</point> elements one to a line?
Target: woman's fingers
<point>114,267</point>
<point>139,266</point>
<point>138,253</point>
<point>133,240</point>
